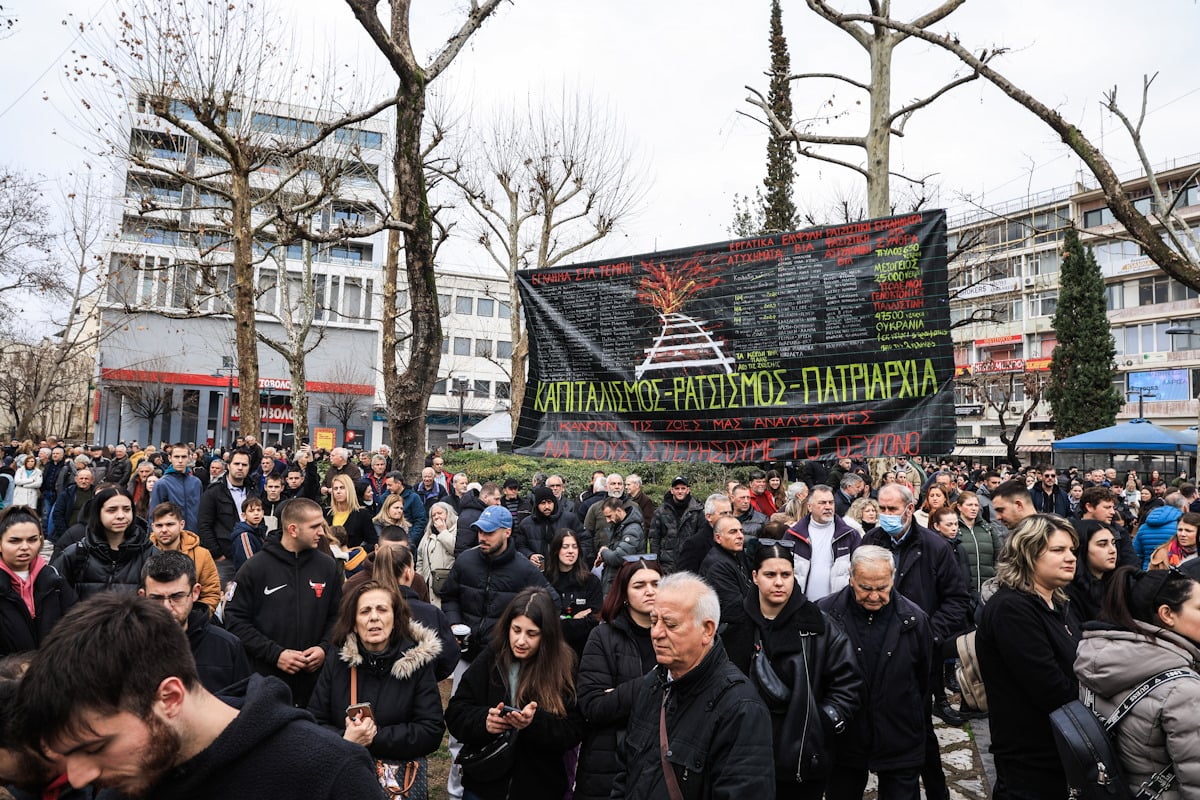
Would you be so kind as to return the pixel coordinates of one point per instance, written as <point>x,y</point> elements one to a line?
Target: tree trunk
<point>245,324</point>
<point>879,201</point>
<point>408,392</point>
<point>299,377</point>
<point>520,353</point>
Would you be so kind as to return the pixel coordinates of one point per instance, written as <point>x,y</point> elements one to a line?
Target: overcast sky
<point>674,72</point>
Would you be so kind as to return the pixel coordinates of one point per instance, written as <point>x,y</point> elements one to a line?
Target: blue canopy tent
<point>1138,440</point>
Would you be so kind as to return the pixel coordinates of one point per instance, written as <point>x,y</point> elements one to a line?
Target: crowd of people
<point>260,622</point>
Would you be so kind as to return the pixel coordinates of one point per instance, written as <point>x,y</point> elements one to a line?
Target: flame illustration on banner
<point>683,340</point>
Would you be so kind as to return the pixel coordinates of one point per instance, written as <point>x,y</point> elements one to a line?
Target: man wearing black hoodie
<point>188,744</point>
<point>284,601</point>
<point>534,533</point>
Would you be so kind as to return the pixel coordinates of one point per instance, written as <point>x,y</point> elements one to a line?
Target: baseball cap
<point>679,481</point>
<point>493,518</point>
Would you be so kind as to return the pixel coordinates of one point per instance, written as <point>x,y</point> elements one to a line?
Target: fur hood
<point>424,650</point>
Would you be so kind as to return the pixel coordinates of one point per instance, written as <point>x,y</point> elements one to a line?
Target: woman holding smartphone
<point>520,687</point>
<point>380,691</point>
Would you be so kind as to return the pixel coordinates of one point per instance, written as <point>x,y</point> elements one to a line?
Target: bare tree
<point>212,73</point>
<point>1014,397</point>
<point>26,240</point>
<point>545,184</point>
<point>150,398</point>
<point>879,41</point>
<point>407,388</point>
<point>344,404</point>
<point>40,392</point>
<point>1176,253</point>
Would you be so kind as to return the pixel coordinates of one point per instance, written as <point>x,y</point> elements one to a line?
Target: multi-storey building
<point>1003,296</point>
<point>167,368</point>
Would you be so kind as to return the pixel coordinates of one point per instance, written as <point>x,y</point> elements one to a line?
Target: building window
<point>464,304</point>
<point>505,310</point>
<point>1098,217</point>
<point>1155,289</point>
<point>483,348</point>
<point>446,346</point>
<point>503,390</point>
<point>443,304</point>
<point>1181,292</point>
<point>483,388</point>
<point>485,307</point>
<point>503,349</point>
<point>1043,305</point>
<point>439,387</point>
<point>462,347</point>
<point>1114,296</point>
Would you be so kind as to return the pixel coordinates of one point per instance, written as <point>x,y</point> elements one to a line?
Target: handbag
<point>397,779</point>
<point>772,688</point>
<point>484,763</point>
<point>439,580</point>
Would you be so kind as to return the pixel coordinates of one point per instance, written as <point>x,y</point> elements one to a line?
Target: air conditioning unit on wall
<point>1028,281</point>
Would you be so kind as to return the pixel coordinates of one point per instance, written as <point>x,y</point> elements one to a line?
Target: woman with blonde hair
<point>346,510</point>
<point>1026,644</point>
<point>863,514</point>
<point>795,504</point>
<point>391,512</point>
<point>435,553</point>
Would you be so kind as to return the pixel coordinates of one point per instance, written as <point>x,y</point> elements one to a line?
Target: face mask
<point>892,523</point>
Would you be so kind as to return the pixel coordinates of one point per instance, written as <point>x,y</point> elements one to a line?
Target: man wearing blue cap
<point>482,582</point>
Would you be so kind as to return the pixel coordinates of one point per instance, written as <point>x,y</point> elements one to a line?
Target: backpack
<point>1085,746</point>
<point>970,678</point>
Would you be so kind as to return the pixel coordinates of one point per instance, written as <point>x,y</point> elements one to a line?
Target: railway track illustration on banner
<point>684,342</point>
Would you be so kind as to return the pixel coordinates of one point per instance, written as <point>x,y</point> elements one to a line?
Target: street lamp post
<point>1142,394</point>
<point>460,391</point>
<point>227,369</point>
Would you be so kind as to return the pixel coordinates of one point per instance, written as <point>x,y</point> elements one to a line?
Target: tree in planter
<point>1081,391</point>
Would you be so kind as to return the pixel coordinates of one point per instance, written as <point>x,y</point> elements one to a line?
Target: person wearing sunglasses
<point>1049,497</point>
<point>799,641</point>
<point>1153,625</point>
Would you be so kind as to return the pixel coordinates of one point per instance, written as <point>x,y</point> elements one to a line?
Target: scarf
<point>1176,553</point>
<point>25,588</point>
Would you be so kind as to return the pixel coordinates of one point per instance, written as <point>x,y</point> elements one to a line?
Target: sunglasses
<point>640,557</point>
<point>786,544</point>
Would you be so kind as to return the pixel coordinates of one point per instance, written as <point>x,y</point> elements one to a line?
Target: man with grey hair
<point>594,520</point>
<point>556,484</point>
<point>698,728</point>
<point>693,549</point>
<point>894,644</point>
<point>849,490</point>
<point>339,464</point>
<point>633,485</point>
<point>824,544</point>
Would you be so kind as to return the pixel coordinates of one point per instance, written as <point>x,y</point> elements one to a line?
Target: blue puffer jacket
<point>1157,529</point>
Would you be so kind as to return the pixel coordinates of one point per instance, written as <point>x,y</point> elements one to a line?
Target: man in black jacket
<point>538,529</point>
<point>118,654</point>
<point>470,506</point>
<point>221,509</point>
<point>928,574</point>
<point>284,601</point>
<point>169,578</point>
<point>1048,495</point>
<point>892,638</point>
<point>718,731</point>
<point>678,518</point>
<point>727,570</point>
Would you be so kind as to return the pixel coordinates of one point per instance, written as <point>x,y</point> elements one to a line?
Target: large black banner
<point>826,342</point>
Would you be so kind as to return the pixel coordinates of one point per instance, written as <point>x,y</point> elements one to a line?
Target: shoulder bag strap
<point>672,782</point>
<point>1141,691</point>
<point>353,686</point>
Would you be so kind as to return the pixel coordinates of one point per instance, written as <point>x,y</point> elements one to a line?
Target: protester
<point>578,589</point>
<point>893,642</point>
<point>33,596</point>
<point>385,659</point>
<point>147,727</point>
<point>1152,625</point>
<point>1179,548</point>
<point>522,686</point>
<point>113,549</point>
<point>169,534</point>
<point>616,658</point>
<point>169,578</point>
<point>714,729</point>
<point>1095,563</point>
<point>822,680</point>
<point>435,554</point>
<point>346,510</point>
<point>1026,644</point>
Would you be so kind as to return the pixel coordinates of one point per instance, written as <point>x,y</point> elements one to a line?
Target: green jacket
<point>982,546</point>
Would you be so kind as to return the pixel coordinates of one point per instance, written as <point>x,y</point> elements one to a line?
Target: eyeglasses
<point>786,544</point>
<point>173,599</point>
<point>640,557</point>
<point>1049,475</point>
